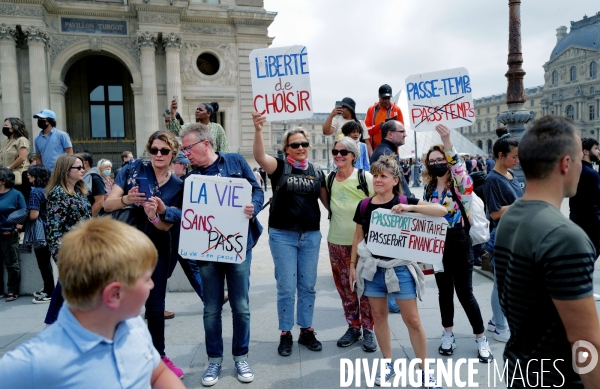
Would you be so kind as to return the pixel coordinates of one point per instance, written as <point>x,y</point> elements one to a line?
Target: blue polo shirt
<point>66,355</point>
<point>52,146</point>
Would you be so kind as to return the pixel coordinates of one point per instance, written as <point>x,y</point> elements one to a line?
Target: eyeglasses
<point>295,145</point>
<point>179,163</point>
<point>437,161</point>
<point>154,151</point>
<point>188,149</point>
<point>343,153</point>
<point>77,167</point>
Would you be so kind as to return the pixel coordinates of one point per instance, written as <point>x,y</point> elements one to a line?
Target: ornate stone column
<point>172,45</point>
<point>37,39</point>
<point>11,98</point>
<point>516,117</point>
<point>147,44</point>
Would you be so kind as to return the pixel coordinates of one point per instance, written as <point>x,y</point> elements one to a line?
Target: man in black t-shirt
<point>93,181</point>
<point>544,268</point>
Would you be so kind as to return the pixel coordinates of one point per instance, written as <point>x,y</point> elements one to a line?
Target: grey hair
<point>350,145</point>
<point>103,162</point>
<point>290,132</point>
<point>201,131</point>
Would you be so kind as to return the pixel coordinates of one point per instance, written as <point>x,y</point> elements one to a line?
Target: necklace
<point>165,179</point>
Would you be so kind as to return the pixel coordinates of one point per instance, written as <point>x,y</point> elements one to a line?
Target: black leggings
<point>458,275</point>
<point>43,260</point>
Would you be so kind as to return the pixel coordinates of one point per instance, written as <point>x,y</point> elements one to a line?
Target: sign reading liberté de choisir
<point>442,97</point>
<point>281,83</point>
<point>214,226</point>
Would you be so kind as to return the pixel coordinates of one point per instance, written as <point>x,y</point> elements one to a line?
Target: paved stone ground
<point>21,320</point>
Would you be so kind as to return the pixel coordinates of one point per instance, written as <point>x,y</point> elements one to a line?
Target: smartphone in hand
<point>143,186</point>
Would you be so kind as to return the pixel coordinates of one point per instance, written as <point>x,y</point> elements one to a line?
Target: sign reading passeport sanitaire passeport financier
<point>281,83</point>
<point>442,97</point>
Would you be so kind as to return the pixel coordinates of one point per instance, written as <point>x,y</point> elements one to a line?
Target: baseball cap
<point>182,159</point>
<point>385,91</point>
<point>45,114</point>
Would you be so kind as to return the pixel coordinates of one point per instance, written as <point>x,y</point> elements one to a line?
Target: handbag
<point>477,224</point>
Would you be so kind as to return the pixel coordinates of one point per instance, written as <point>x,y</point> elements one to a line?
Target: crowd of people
<point>543,264</point>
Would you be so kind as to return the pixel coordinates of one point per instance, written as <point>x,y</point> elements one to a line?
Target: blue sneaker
<point>431,383</point>
<point>388,376</point>
<point>245,372</point>
<point>211,374</point>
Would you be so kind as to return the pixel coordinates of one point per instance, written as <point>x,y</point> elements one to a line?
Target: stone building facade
<point>571,87</point>
<point>109,68</point>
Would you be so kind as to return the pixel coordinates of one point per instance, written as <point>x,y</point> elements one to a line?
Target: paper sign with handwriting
<point>214,226</point>
<point>281,83</point>
<point>442,97</point>
<point>411,236</point>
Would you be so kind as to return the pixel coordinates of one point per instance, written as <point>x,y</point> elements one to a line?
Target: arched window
<point>489,146</point>
<point>570,112</point>
<point>555,77</point>
<point>106,112</point>
<point>573,73</point>
<point>593,69</point>
<point>480,144</point>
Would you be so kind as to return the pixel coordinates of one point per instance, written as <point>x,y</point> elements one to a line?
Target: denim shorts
<point>377,288</point>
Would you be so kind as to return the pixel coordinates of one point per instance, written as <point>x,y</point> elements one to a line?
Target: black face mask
<point>6,132</point>
<point>438,170</point>
<point>42,124</point>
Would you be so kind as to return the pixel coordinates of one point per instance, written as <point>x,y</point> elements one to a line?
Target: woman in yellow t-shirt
<point>14,152</point>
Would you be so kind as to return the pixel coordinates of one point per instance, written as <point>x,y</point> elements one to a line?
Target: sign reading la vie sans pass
<point>214,226</point>
<point>442,97</point>
<point>281,83</point>
<point>411,236</point>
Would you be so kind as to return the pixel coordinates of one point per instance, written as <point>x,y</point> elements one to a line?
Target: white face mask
<point>106,172</point>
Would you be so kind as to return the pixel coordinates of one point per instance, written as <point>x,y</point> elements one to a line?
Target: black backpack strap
<point>465,218</point>
<point>287,171</point>
<point>362,182</point>
<point>329,185</point>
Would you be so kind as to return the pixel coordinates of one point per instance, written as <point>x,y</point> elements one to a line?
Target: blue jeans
<point>498,316</point>
<point>191,271</point>
<point>213,276</point>
<point>155,305</point>
<point>295,255</point>
<point>378,288</point>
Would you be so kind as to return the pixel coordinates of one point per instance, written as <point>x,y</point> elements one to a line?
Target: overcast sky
<point>356,45</point>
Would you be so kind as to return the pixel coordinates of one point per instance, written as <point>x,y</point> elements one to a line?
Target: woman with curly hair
<point>447,183</point>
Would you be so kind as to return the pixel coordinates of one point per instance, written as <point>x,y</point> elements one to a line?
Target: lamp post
<point>415,168</point>
<point>515,117</point>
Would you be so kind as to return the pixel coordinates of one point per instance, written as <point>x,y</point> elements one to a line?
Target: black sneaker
<point>307,338</point>
<point>369,343</point>
<point>352,335</point>
<point>285,344</point>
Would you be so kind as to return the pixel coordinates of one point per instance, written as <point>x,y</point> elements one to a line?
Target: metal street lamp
<point>515,117</point>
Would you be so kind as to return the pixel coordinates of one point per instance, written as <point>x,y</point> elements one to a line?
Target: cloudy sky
<point>356,45</point>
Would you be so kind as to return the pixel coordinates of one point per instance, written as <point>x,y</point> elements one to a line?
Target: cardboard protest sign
<point>281,83</point>
<point>442,97</point>
<point>214,226</point>
<point>411,236</point>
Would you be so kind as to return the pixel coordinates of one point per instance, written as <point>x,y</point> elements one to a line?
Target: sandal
<point>11,297</point>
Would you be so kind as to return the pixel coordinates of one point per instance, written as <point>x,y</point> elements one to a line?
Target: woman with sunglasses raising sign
<point>294,231</point>
<point>161,209</point>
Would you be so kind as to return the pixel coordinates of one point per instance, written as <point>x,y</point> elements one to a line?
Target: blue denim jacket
<point>233,165</point>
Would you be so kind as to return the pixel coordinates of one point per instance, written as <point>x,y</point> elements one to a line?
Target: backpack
<point>477,224</point>
<point>313,170</point>
<point>365,202</point>
<point>87,178</point>
<point>362,185</point>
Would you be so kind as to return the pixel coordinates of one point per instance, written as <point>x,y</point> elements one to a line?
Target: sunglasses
<point>343,153</point>
<point>154,151</point>
<point>295,145</point>
<point>76,167</point>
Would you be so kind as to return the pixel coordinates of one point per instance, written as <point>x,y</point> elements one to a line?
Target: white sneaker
<point>431,383</point>
<point>596,297</point>
<point>484,353</point>
<point>448,343</point>
<point>502,336</point>
<point>491,326</point>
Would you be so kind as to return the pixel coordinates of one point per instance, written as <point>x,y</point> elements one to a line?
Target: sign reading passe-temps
<point>93,26</point>
<point>281,83</point>
<point>442,97</point>
<point>214,226</point>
